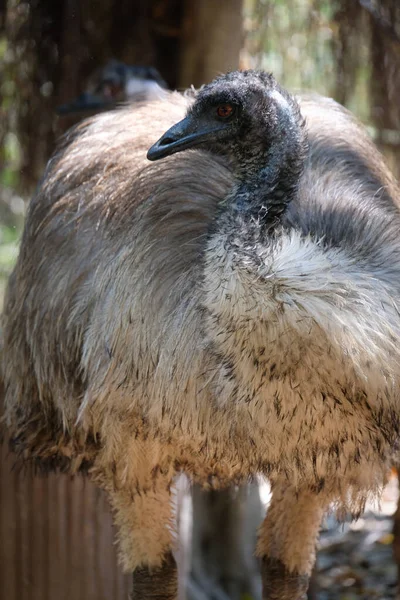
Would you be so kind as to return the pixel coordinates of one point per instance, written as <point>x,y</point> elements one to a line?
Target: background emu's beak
<point>185,134</point>
<point>84,102</point>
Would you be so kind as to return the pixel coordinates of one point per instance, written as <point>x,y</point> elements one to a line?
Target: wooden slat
<point>8,537</point>
<point>56,539</point>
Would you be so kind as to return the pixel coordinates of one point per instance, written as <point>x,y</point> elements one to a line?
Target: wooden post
<point>56,539</point>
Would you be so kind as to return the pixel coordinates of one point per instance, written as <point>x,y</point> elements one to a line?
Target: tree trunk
<point>212,40</point>
<point>225,524</point>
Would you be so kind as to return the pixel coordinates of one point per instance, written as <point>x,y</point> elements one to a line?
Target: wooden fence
<point>56,539</point>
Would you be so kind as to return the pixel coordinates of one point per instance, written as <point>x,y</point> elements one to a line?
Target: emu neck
<point>265,193</point>
<point>268,176</point>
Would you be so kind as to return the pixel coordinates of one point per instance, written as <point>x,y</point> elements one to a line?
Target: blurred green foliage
<point>9,238</point>
<point>11,205</point>
<point>299,41</point>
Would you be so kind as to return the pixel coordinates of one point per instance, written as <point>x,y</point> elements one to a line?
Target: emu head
<point>116,82</point>
<point>245,116</point>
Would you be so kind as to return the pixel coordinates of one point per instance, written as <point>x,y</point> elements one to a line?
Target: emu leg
<point>144,522</point>
<point>138,484</point>
<point>313,586</point>
<point>159,583</point>
<point>287,542</point>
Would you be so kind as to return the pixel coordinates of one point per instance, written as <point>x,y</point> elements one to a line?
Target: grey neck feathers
<point>268,177</point>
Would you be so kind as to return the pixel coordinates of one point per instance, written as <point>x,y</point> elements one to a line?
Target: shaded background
<point>56,537</point>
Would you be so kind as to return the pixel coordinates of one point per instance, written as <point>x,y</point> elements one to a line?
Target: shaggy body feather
<point>148,329</point>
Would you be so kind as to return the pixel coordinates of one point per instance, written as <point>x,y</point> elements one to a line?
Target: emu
<point>117,82</point>
<point>229,311</point>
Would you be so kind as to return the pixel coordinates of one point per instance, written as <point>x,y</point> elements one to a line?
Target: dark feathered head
<point>244,115</point>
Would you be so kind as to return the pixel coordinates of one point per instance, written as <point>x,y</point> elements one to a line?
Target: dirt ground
<point>355,560</point>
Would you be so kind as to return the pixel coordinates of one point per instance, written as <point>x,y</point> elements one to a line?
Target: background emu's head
<point>245,116</point>
<point>114,83</point>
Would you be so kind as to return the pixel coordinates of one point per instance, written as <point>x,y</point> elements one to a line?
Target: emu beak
<point>185,134</point>
<point>85,102</point>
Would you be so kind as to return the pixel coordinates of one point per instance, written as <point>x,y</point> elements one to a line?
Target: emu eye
<point>225,110</point>
<point>110,90</point>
